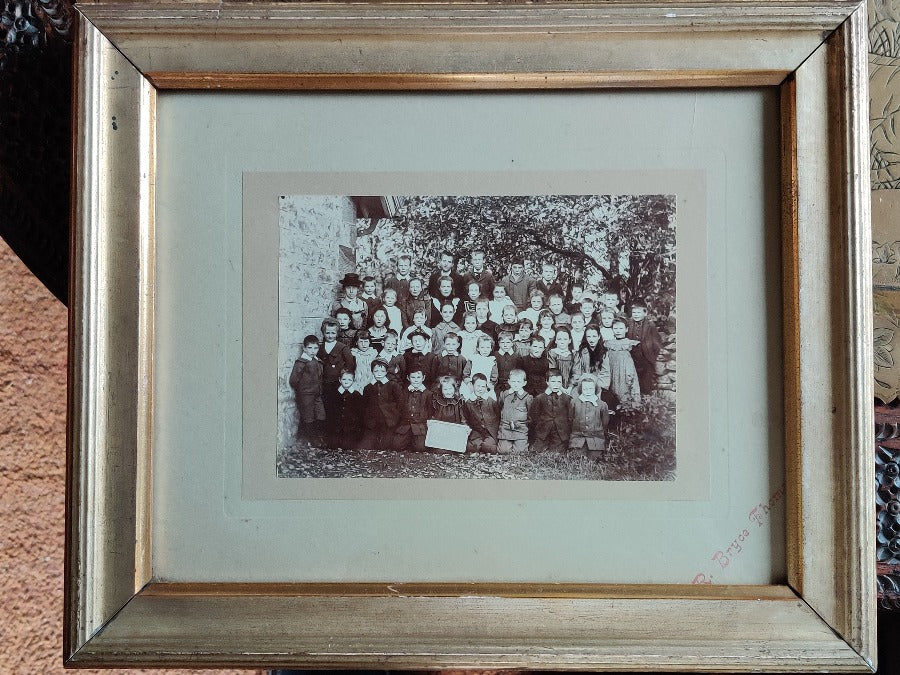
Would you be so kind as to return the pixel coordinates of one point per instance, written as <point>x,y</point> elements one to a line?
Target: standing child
<point>450,362</point>
<point>485,325</point>
<point>418,325</point>
<point>552,416</point>
<point>557,308</point>
<point>562,359</point>
<point>473,292</point>
<point>606,316</point>
<point>369,294</point>
<point>347,427</point>
<point>523,337</point>
<point>500,301</point>
<point>518,285</point>
<point>306,381</point>
<point>469,335</point>
<point>508,321</point>
<point>507,360</point>
<point>545,326</point>
<point>549,282</point>
<point>417,300</point>
<point>420,358</point>
<point>481,274</point>
<point>416,407</point>
<point>443,297</point>
<point>622,377</point>
<point>576,292</point>
<point>365,354</point>
<point>335,358</point>
<point>588,309</point>
<point>350,301</point>
<point>577,331</point>
<point>381,409</point>
<point>515,406</point>
<point>642,329</point>
<point>536,367</point>
<point>590,418</point>
<point>400,279</point>
<point>482,414</point>
<point>378,328</point>
<point>346,331</point>
<point>445,327</point>
<point>393,357</point>
<point>536,304</point>
<point>394,313</point>
<point>484,363</point>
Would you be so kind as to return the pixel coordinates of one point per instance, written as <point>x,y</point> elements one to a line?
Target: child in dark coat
<point>306,381</point>
<point>482,414</point>
<point>415,409</point>
<point>381,409</point>
<point>536,367</point>
<point>348,412</point>
<point>551,415</point>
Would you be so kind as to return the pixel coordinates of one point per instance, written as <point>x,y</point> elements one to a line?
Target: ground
<point>631,455</point>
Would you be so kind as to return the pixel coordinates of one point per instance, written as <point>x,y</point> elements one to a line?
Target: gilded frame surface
<point>117,614</point>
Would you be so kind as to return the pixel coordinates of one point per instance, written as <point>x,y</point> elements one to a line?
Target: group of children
<point>522,361</point>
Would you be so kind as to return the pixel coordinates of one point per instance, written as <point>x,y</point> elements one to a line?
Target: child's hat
<point>418,332</point>
<point>351,279</point>
<point>379,362</point>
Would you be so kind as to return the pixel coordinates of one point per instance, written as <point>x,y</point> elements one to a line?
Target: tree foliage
<point>620,243</point>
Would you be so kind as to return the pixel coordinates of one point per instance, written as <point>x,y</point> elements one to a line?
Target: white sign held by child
<point>447,436</point>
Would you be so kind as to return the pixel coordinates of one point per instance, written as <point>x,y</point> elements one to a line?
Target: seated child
<point>535,365</point>
<point>551,414</point>
<point>449,362</point>
<point>589,420</point>
<point>365,354</point>
<point>446,325</point>
<point>469,335</point>
<point>515,405</point>
<point>348,408</point>
<point>418,325</point>
<point>447,405</point>
<point>306,381</point>
<point>381,409</point>
<point>417,406</point>
<point>482,414</point>
<point>346,332</point>
<point>394,313</point>
<point>500,301</point>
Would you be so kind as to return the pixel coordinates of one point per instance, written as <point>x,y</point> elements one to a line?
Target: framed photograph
<point>457,335</point>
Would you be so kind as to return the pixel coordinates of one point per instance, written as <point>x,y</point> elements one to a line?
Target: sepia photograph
<point>477,337</point>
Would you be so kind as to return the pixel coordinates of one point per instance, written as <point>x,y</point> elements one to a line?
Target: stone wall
<point>317,242</point>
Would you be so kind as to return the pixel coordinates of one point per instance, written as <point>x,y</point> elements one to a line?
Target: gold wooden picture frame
<point>118,613</point>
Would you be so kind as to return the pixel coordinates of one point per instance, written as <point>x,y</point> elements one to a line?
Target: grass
<point>641,448</point>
